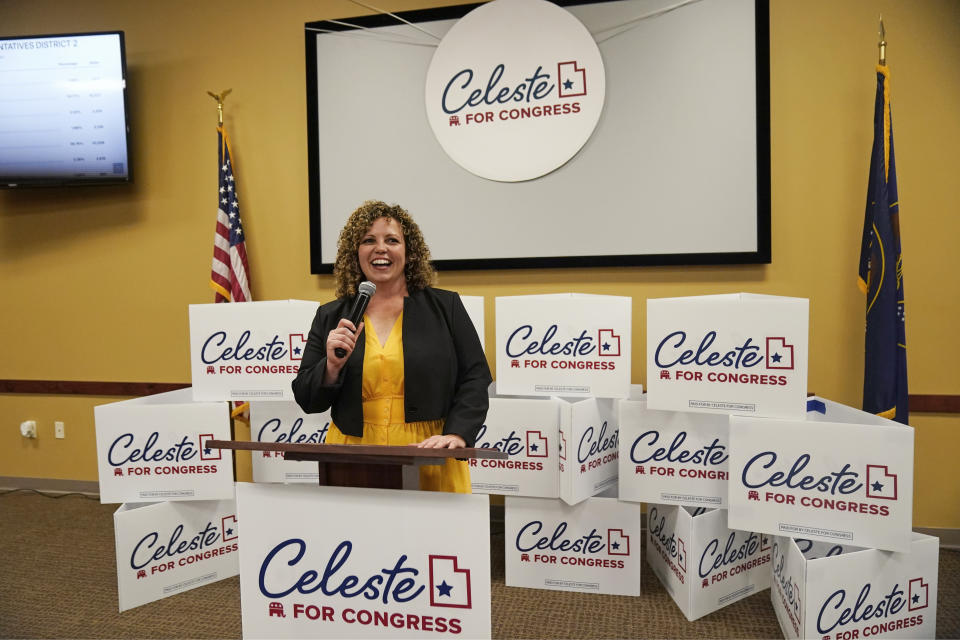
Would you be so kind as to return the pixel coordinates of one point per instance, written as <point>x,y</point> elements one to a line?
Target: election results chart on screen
<point>62,110</point>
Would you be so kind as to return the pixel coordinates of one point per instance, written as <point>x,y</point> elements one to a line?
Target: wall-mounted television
<point>63,110</point>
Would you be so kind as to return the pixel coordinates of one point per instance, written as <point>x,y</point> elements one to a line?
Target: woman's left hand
<point>443,442</point>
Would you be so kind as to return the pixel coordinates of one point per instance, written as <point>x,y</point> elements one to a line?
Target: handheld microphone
<point>364,292</point>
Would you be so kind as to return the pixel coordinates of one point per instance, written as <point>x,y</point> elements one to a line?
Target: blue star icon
<point>877,486</point>
<point>916,598</point>
<point>776,357</point>
<point>568,84</point>
<point>533,447</point>
<point>606,346</point>
<point>229,532</point>
<point>296,350</point>
<point>206,451</point>
<point>615,545</point>
<point>444,589</point>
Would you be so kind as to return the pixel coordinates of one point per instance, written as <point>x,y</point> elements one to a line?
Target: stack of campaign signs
<point>563,365</point>
<point>176,528</point>
<point>836,491</point>
<point>178,525</point>
<point>750,484</point>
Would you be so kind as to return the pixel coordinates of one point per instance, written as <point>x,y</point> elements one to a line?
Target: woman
<point>414,370</point>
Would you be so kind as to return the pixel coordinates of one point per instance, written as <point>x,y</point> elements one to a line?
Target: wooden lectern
<point>370,466</point>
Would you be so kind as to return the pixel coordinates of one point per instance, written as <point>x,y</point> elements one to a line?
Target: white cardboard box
<point>285,422</point>
<point>166,548</point>
<point>703,564</point>
<point>248,350</point>
<point>569,344</point>
<point>343,562</point>
<point>590,547</point>
<point>840,476</point>
<point>152,448</point>
<point>589,449</point>
<point>474,307</point>
<point>673,457</point>
<point>528,430</point>
<point>736,353</point>
<point>855,594</point>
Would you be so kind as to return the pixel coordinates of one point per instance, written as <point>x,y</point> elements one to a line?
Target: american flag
<point>230,275</point>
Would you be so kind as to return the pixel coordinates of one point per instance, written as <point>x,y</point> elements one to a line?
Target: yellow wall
<point>95,282</point>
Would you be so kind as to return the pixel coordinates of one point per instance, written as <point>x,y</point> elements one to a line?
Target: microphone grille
<point>367,287</point>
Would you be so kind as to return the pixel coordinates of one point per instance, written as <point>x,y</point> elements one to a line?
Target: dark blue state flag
<point>881,273</point>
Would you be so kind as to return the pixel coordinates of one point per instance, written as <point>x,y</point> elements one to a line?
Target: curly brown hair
<point>347,275</point>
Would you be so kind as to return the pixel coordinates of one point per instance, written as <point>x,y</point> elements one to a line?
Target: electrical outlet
<point>58,429</point>
<point>28,428</point>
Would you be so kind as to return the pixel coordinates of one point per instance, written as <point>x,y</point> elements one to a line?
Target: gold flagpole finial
<point>219,98</point>
<point>883,44</point>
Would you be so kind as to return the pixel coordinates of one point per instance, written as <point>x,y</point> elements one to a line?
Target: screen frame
<point>762,254</point>
<point>67,181</point>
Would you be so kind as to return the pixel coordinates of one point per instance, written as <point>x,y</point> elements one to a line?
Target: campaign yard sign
<point>154,448</point>
<point>840,476</point>
<point>167,548</point>
<point>285,422</point>
<point>569,344</point>
<point>737,353</point>
<point>673,457</point>
<point>590,547</point>
<point>474,307</point>
<point>248,350</point>
<point>588,448</point>
<point>343,562</point>
<point>703,564</point>
<point>528,431</point>
<point>836,592</point>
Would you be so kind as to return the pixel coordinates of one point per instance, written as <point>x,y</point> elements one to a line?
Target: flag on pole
<point>230,273</point>
<point>881,273</point>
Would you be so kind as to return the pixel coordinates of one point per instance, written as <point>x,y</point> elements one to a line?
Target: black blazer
<point>445,371</point>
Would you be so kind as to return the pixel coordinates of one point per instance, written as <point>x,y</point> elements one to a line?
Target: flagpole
<point>882,45</point>
<point>236,413</point>
<point>219,98</point>
<point>885,391</point>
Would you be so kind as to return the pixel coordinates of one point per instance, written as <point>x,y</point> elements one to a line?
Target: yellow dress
<point>383,416</point>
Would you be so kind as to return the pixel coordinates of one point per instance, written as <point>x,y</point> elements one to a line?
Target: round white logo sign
<point>515,89</point>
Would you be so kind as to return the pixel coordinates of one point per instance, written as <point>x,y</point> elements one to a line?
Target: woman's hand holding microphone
<point>343,339</point>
